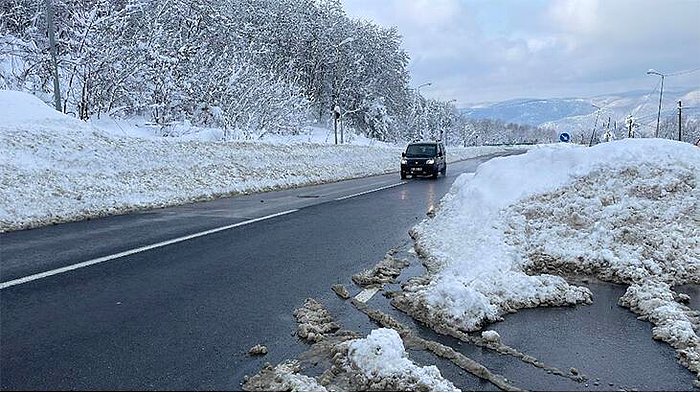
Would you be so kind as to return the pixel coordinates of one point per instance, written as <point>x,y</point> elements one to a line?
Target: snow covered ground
<point>625,211</point>
<point>54,168</point>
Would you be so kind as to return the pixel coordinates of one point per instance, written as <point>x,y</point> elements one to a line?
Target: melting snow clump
<point>382,359</point>
<point>315,322</point>
<point>490,335</point>
<point>284,377</point>
<point>258,350</point>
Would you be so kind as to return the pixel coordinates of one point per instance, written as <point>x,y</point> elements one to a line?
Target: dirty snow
<point>314,322</point>
<point>624,211</point>
<point>54,168</point>
<point>378,362</point>
<point>382,355</point>
<point>285,377</point>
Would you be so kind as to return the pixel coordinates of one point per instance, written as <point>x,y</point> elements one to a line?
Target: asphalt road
<point>182,316</point>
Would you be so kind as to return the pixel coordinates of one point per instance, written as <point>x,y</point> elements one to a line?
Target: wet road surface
<point>183,316</point>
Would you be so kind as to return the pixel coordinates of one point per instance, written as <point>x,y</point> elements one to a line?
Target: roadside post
<point>680,121</point>
<point>336,117</point>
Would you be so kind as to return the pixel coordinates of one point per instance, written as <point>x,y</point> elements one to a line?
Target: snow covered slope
<point>54,168</point>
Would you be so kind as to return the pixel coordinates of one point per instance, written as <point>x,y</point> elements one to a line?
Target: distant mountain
<point>579,114</point>
<point>532,112</point>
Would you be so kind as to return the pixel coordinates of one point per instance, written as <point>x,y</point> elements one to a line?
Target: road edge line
<point>49,273</point>
<point>370,191</point>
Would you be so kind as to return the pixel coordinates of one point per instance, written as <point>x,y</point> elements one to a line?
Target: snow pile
<point>54,168</point>
<point>382,357</point>
<point>491,336</point>
<point>623,211</point>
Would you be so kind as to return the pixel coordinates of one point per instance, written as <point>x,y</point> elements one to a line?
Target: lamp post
<point>52,49</point>
<point>442,129</point>
<point>417,99</point>
<point>661,94</point>
<point>594,124</point>
<point>336,87</point>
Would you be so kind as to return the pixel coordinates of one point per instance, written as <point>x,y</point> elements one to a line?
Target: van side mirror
<point>403,154</point>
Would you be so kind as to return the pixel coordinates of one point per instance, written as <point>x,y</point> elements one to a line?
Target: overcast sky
<point>492,50</point>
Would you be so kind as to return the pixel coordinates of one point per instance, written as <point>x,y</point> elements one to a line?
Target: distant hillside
<point>532,112</point>
<point>578,115</point>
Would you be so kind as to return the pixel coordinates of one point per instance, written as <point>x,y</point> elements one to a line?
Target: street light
<point>442,129</point>
<point>416,103</point>
<point>594,124</point>
<point>661,93</point>
<point>336,88</point>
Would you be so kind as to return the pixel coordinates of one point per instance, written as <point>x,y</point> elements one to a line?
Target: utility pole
<point>52,49</point>
<point>608,135</point>
<point>342,136</point>
<point>336,116</point>
<point>661,94</point>
<point>630,123</point>
<point>658,116</point>
<point>680,109</point>
<point>594,126</point>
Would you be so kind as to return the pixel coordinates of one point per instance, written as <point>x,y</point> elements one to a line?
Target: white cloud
<point>478,50</point>
<point>578,16</point>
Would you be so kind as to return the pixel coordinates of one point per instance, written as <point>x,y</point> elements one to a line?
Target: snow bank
<point>382,356</point>
<point>54,168</point>
<point>623,211</point>
<point>20,108</point>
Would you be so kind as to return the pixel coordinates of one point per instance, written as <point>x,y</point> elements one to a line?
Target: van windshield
<point>427,150</point>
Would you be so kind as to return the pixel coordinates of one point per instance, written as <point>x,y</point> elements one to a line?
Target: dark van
<point>424,159</point>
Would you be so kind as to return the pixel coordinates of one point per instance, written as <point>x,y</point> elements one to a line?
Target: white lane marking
<point>366,294</point>
<point>370,191</point>
<point>64,269</point>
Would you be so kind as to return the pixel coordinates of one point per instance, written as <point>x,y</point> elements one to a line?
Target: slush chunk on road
<point>341,291</point>
<point>258,350</point>
<point>285,377</point>
<point>384,363</point>
<point>383,272</point>
<point>315,322</point>
<point>491,336</point>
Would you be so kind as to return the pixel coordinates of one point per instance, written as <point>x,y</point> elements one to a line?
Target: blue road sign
<point>564,137</point>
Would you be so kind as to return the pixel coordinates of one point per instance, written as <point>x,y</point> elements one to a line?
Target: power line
<point>684,72</point>
<point>646,99</point>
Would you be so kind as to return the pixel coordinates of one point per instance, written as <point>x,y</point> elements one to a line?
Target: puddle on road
<point>602,340</point>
